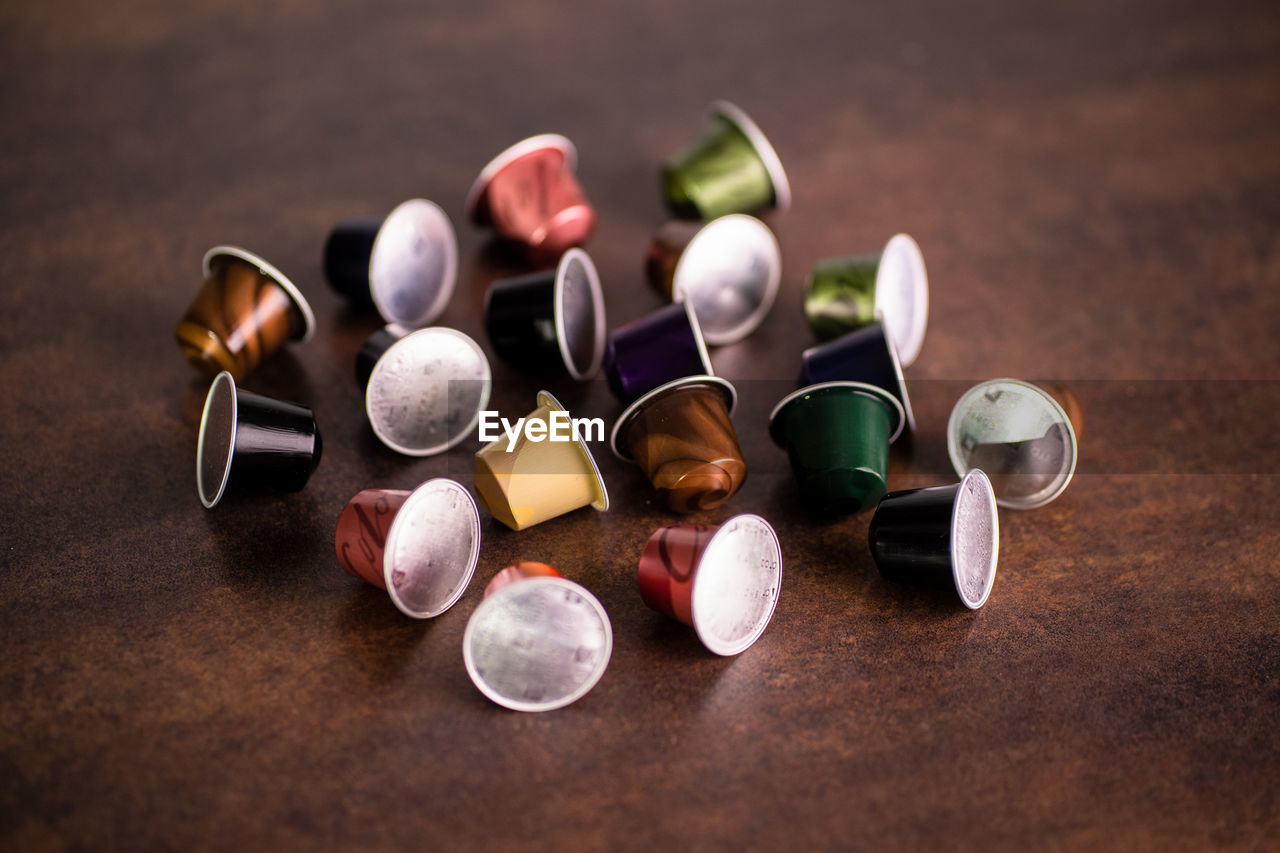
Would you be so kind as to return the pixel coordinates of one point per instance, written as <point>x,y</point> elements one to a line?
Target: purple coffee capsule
<point>654,350</point>
<point>866,355</point>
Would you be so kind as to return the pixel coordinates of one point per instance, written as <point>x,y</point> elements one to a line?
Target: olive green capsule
<point>844,294</point>
<point>732,168</point>
<point>841,295</point>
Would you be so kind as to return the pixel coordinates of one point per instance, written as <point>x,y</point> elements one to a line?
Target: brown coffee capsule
<point>682,436</point>
<point>420,546</point>
<point>1066,398</point>
<point>245,311</point>
<point>728,269</point>
<point>530,196</point>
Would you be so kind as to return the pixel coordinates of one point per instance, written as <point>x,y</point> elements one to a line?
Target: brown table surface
<point>1096,187</point>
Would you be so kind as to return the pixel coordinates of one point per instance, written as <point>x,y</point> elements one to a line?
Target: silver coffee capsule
<point>426,392</point>
<point>1019,436</point>
<point>728,270</point>
<point>537,642</point>
<point>406,264</point>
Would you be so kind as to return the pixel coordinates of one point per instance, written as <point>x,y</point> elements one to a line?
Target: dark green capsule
<point>732,168</point>
<point>837,436</point>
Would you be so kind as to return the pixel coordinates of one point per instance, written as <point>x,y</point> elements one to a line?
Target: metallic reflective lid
<point>729,273</point>
<point>537,644</point>
<point>1019,436</point>
<point>414,263</point>
<point>432,548</point>
<point>426,391</point>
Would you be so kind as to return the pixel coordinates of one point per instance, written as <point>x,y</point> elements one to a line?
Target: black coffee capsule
<point>252,443</point>
<point>373,348</point>
<point>550,320</point>
<point>943,535</point>
<point>405,264</point>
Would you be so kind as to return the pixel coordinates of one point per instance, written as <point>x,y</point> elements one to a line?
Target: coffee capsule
<point>419,546</point>
<point>945,535</point>
<point>551,320</point>
<point>373,348</point>
<point>682,436</point>
<point>728,269</point>
<point>546,471</point>
<point>245,311</point>
<point>530,196</point>
<point>732,168</point>
<point>844,294</point>
<point>837,436</point>
<point>250,443</point>
<point>518,572</point>
<point>426,392</point>
<point>1019,436</point>
<point>866,355</point>
<point>1066,398</point>
<point>538,641</point>
<point>405,265</point>
<point>654,350</point>
<point>722,581</point>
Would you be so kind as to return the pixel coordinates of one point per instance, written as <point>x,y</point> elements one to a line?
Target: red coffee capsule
<point>519,572</point>
<point>420,546</point>
<point>723,581</point>
<point>530,196</point>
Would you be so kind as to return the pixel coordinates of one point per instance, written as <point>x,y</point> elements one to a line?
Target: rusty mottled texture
<point>1098,188</point>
